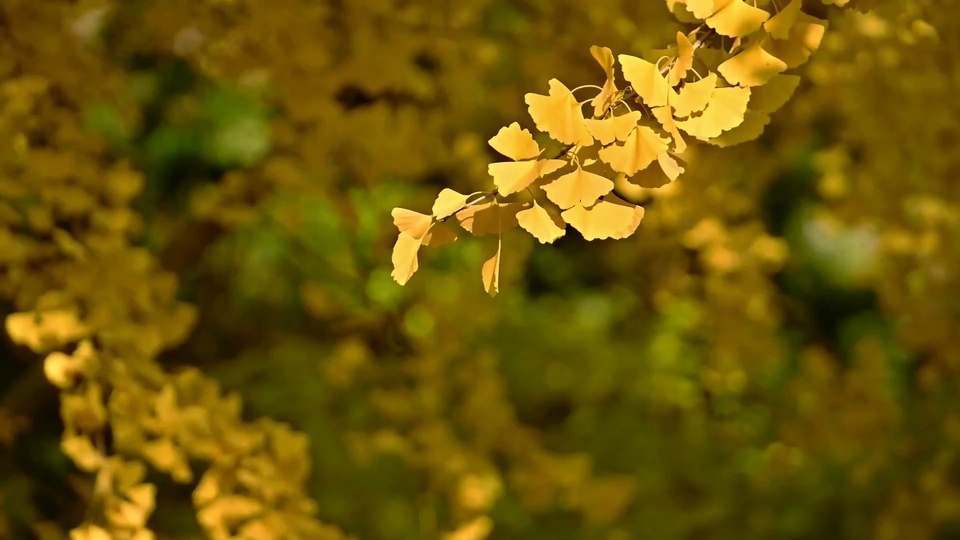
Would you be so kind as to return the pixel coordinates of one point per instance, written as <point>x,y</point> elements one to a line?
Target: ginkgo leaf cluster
<point>719,83</point>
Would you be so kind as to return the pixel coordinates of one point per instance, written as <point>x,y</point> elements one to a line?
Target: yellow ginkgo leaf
<point>615,128</point>
<point>644,183</point>
<point>439,235</point>
<point>774,94</point>
<point>491,271</point>
<point>693,97</point>
<point>515,143</point>
<point>513,176</point>
<point>610,218</point>
<point>543,224</point>
<point>780,24</point>
<point>577,187</point>
<point>664,115</point>
<point>559,115</point>
<point>754,66</point>
<point>647,81</point>
<point>670,166</point>
<point>679,10</point>
<point>752,127</point>
<point>704,9</point>
<point>737,19</point>
<point>725,112</point>
<point>802,41</point>
<point>602,101</point>
<point>448,203</point>
<point>413,223</point>
<point>641,148</point>
<point>405,258</point>
<point>683,62</point>
<point>489,218</point>
<point>637,186</point>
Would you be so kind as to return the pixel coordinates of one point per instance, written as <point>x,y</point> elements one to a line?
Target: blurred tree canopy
<point>204,337</point>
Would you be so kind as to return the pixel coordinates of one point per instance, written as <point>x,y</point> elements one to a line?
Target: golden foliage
<point>102,309</point>
<point>701,87</point>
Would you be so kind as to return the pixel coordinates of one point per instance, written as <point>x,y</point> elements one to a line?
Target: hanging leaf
<point>752,127</point>
<point>664,115</point>
<point>610,218</point>
<point>780,24</point>
<point>412,223</point>
<point>577,187</point>
<point>641,148</point>
<point>491,271</point>
<point>542,223</point>
<point>647,81</point>
<point>515,143</point>
<point>559,115</point>
<point>754,66</point>
<point>448,202</point>
<point>725,111</point>
<point>670,166</point>
<point>684,60</point>
<point>489,218</point>
<point>615,128</point>
<point>802,41</point>
<point>405,258</point>
<point>736,18</point>
<point>695,96</point>
<point>513,176</point>
<point>602,101</point>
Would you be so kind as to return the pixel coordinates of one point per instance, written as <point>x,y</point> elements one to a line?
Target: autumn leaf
<point>803,39</point>
<point>491,271</point>
<point>448,202</point>
<point>515,143</point>
<point>602,101</point>
<point>412,223</point>
<point>641,148</point>
<point>513,176</point>
<point>753,66</point>
<point>683,62</point>
<point>693,97</point>
<point>615,128</point>
<point>670,166</point>
<point>559,115</point>
<point>664,115</point>
<point>647,81</point>
<point>725,111</point>
<point>736,18</point>
<point>752,127</point>
<point>703,9</point>
<point>610,218</point>
<point>780,24</point>
<point>405,257</point>
<point>489,218</point>
<point>439,235</point>
<point>542,223</point>
<point>577,187</point>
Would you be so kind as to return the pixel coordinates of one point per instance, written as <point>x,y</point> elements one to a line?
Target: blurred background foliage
<point>773,354</point>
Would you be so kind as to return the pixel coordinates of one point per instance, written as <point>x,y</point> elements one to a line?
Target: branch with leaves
<point>719,84</point>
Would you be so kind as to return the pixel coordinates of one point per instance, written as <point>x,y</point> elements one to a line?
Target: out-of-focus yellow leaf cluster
<point>685,408</point>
